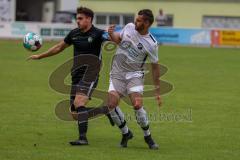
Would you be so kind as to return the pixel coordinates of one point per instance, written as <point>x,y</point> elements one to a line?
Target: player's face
<point>141,23</point>
<point>83,21</point>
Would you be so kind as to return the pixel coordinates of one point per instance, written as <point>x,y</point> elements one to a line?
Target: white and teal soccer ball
<point>32,42</point>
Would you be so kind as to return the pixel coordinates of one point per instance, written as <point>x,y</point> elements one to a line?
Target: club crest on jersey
<point>90,39</point>
<point>140,46</point>
<point>125,44</point>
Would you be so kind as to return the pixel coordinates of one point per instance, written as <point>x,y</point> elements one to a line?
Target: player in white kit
<point>127,73</point>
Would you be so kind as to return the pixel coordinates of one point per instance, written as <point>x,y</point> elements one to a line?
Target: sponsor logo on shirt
<point>140,46</point>
<point>90,39</point>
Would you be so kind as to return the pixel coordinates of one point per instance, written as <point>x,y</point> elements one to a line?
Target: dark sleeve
<point>68,38</point>
<point>104,36</point>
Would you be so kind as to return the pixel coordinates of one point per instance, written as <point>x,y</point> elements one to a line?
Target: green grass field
<point>206,81</point>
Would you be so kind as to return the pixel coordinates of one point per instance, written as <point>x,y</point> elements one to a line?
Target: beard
<point>139,28</point>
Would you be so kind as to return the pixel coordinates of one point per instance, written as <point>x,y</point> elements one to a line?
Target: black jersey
<point>87,44</point>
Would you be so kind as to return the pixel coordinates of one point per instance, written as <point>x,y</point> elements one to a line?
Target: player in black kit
<point>87,41</point>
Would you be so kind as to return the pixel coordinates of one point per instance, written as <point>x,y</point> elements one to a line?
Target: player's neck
<point>87,28</point>
<point>143,32</point>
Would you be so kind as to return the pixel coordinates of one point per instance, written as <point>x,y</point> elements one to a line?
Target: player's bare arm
<point>156,81</point>
<point>114,36</point>
<point>58,48</point>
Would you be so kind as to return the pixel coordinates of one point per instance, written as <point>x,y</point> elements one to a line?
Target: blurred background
<point>180,22</point>
<point>199,119</point>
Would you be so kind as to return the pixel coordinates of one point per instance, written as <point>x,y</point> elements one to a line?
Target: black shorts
<point>82,87</point>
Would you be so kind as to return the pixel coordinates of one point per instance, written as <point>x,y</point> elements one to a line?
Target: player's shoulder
<point>75,30</point>
<point>130,26</point>
<point>98,30</point>
<point>152,40</point>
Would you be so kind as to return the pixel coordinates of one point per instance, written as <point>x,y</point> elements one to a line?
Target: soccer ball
<point>32,42</point>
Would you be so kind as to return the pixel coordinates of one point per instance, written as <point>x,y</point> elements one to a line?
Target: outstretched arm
<point>114,36</point>
<point>51,52</point>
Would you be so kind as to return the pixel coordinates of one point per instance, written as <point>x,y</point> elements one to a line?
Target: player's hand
<point>159,100</point>
<point>34,57</point>
<point>111,29</point>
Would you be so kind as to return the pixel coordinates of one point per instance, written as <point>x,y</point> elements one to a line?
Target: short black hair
<point>148,14</point>
<point>86,11</point>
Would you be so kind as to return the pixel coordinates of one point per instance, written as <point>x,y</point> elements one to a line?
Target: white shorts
<point>132,83</point>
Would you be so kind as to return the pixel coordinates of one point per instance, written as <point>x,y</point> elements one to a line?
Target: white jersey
<point>133,51</point>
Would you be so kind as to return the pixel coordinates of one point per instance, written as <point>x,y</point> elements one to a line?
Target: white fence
<point>48,31</point>
<point>170,36</point>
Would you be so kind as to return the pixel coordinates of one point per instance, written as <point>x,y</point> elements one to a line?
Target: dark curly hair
<point>86,11</point>
<point>148,15</point>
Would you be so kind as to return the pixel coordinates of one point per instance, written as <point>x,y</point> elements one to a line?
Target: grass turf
<point>206,81</point>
